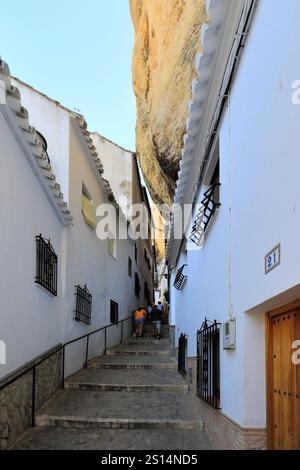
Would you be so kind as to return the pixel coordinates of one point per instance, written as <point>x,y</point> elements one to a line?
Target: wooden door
<point>283,378</point>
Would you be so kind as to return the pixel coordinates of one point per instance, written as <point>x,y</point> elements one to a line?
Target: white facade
<point>32,320</point>
<point>122,171</point>
<point>260,201</point>
<point>117,165</point>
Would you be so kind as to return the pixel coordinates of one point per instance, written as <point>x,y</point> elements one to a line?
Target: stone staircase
<point>131,398</point>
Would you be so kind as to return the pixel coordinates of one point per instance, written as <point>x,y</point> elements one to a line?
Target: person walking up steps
<point>149,310</point>
<point>156,316</point>
<point>160,307</point>
<point>139,316</point>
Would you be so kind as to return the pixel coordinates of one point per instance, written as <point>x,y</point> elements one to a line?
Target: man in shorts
<point>156,316</point>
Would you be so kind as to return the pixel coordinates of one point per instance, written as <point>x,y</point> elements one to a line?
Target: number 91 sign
<point>272,259</point>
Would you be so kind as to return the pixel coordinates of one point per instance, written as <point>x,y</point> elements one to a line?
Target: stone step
<point>98,410</point>
<point>133,362</point>
<point>143,340</point>
<point>112,439</point>
<point>163,328</point>
<point>128,380</point>
<point>161,348</point>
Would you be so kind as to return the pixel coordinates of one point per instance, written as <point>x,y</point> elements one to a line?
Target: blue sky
<point>79,53</point>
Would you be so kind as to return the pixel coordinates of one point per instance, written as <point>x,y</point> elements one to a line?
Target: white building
<point>243,132</point>
<point>39,279</point>
<point>121,169</point>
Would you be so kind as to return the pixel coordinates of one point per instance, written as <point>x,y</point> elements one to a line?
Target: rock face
<point>167,38</point>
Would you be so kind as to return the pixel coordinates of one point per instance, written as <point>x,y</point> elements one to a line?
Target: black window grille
<point>83,309</point>
<point>182,350</point>
<point>114,312</point>
<point>208,363</point>
<point>46,265</point>
<point>209,204</point>
<point>179,278</point>
<point>137,286</point>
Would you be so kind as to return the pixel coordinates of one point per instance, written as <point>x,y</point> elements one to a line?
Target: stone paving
<point>132,398</point>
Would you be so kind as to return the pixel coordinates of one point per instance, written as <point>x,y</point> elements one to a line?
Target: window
<point>179,278</point>
<point>83,309</point>
<point>146,292</point>
<point>208,363</point>
<point>114,312</point>
<point>129,267</point>
<point>137,286</point>
<point>135,252</point>
<point>87,208</point>
<point>147,259</point>
<point>44,144</point>
<point>46,265</point>
<point>215,183</point>
<point>209,204</point>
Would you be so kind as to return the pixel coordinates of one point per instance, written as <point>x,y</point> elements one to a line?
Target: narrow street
<point>132,398</point>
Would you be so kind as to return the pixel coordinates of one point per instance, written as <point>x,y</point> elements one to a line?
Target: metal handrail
<point>61,347</point>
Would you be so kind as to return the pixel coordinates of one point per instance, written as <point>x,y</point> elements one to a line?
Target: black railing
<point>179,278</point>
<point>83,309</point>
<point>46,265</point>
<point>209,204</point>
<point>208,363</point>
<point>60,348</point>
<point>182,350</point>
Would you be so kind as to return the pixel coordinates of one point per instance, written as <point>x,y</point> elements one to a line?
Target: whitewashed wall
<point>51,120</point>
<point>117,165</point>
<point>88,261</point>
<point>29,316</point>
<point>120,171</point>
<point>31,320</point>
<point>259,146</point>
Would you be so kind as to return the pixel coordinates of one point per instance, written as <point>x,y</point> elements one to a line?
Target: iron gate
<point>208,363</point>
<point>182,349</point>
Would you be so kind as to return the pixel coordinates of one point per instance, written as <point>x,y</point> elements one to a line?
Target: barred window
<point>83,309</point>
<point>46,265</point>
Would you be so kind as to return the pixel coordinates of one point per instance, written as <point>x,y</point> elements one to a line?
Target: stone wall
<point>16,399</point>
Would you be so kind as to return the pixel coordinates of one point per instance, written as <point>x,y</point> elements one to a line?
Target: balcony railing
<point>209,204</point>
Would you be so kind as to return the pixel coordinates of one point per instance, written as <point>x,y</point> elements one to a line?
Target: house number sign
<point>272,259</point>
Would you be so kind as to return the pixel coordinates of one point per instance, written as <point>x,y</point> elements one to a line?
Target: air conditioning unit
<point>229,334</point>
